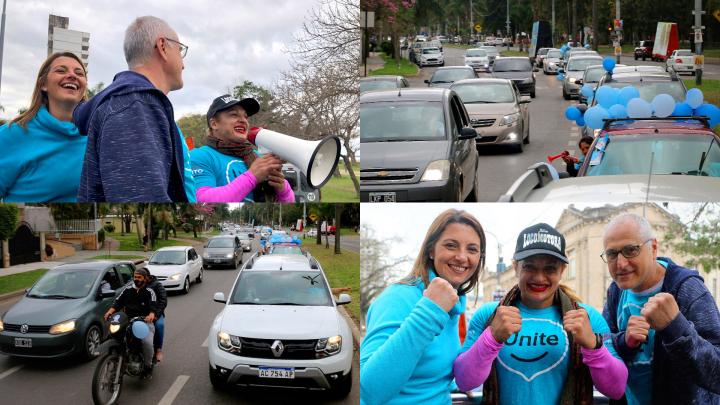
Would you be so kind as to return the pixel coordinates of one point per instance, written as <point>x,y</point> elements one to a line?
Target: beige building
<point>62,39</point>
<point>587,274</point>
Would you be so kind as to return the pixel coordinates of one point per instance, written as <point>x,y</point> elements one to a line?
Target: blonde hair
<point>39,96</point>
<point>423,262</point>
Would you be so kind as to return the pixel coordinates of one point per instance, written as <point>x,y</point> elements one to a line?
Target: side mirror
<point>467,133</point>
<point>427,81</point>
<point>343,299</point>
<point>219,297</point>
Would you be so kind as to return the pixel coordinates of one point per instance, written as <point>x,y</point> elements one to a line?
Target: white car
<point>681,60</point>
<point>245,241</point>
<point>281,327</point>
<point>312,233</point>
<point>176,267</point>
<point>477,59</point>
<point>431,56</point>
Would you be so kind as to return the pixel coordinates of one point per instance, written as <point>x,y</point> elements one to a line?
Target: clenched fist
<point>660,310</point>
<point>442,293</point>
<point>637,331</point>
<point>507,321</point>
<point>577,323</point>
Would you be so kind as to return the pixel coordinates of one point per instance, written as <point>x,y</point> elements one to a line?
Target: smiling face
<point>637,273</point>
<point>231,124</point>
<point>65,82</point>
<point>538,279</point>
<point>456,254</point>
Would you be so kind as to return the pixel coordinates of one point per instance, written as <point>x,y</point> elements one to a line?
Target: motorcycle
<point>125,356</point>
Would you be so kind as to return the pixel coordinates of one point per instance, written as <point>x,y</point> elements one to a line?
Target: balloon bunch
<point>563,51</point>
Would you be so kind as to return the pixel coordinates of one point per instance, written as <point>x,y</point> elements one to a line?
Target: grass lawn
<point>21,281</point>
<point>711,53</point>
<point>627,49</point>
<point>459,46</point>
<point>404,68</point>
<point>342,270</point>
<point>129,242</point>
<point>513,53</point>
<point>709,87</point>
<point>117,257</point>
<point>348,231</point>
<point>341,189</point>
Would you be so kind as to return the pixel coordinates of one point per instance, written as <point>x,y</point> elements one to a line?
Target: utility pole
<point>2,37</point>
<point>698,27</point>
<point>472,23</point>
<point>618,31</point>
<point>574,22</point>
<point>553,22</point>
<point>594,25</point>
<point>507,22</point>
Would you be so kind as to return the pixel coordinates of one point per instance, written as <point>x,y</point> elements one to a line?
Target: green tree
<point>699,238</point>
<point>8,224</point>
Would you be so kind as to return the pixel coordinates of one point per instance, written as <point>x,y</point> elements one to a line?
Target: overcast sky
<point>229,41</point>
<point>408,223</point>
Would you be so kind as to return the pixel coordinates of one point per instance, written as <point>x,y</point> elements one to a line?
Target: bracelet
<point>598,341</point>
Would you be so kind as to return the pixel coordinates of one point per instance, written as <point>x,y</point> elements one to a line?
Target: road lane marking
<point>10,371</point>
<point>205,343</point>
<point>174,390</point>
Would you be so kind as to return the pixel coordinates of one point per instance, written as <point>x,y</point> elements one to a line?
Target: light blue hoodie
<point>42,163</point>
<point>408,352</point>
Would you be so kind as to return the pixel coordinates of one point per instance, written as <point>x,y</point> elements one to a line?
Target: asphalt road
<point>182,378</point>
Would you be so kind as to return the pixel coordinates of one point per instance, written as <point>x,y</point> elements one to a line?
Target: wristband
<point>598,341</point>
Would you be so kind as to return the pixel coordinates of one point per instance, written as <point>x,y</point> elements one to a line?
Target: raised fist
<point>506,322</point>
<point>637,331</point>
<point>442,293</point>
<point>577,323</point>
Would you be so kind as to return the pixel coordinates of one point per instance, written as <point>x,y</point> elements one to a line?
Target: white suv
<point>176,267</point>
<point>281,327</point>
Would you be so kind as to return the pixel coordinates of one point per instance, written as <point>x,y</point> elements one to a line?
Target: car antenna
<point>647,192</point>
<point>399,91</point>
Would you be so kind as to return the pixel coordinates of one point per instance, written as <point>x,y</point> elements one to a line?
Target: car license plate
<point>23,342</point>
<point>217,261</point>
<point>267,372</point>
<point>382,197</point>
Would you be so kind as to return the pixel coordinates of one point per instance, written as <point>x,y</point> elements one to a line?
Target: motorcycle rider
<point>138,300</point>
<point>155,285</point>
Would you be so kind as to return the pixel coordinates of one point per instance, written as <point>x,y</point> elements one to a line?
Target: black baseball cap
<point>250,105</point>
<point>540,239</point>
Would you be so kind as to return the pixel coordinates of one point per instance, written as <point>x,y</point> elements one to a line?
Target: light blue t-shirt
<point>211,168</point>
<point>42,164</point>
<point>188,180</point>
<point>639,385</point>
<point>532,365</point>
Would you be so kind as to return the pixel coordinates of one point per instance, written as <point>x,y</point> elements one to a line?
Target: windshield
<point>554,54</point>
<point>512,65</point>
<point>543,51</point>
<point>684,53</point>
<point>476,53</point>
<point>593,75</point>
<point>430,50</point>
<point>286,250</point>
<point>281,288</point>
<point>377,85</point>
<point>485,93</point>
<point>490,50</point>
<point>243,236</point>
<point>648,90</point>
<point>168,257</point>
<point>673,154</point>
<point>581,64</point>
<point>402,121</point>
<point>64,284</point>
<point>221,243</point>
<point>451,75</point>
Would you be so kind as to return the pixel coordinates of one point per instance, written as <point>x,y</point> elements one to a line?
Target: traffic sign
<point>478,27</point>
<point>313,217</point>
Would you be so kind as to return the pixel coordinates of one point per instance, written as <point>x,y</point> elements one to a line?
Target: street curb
<point>13,294</point>
<point>357,337</point>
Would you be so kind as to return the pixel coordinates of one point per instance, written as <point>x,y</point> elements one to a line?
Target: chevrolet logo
<point>383,173</point>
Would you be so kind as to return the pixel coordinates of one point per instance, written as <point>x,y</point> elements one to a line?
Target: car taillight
<point>678,60</point>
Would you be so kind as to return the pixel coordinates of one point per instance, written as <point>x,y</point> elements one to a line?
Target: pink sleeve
<point>287,195</point>
<point>235,191</point>
<point>608,373</point>
<point>472,368</point>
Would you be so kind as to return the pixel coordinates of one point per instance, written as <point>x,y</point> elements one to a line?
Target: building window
<point>85,48</point>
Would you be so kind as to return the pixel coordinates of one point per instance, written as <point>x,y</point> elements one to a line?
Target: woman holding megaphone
<point>412,327</point>
<point>229,168</point>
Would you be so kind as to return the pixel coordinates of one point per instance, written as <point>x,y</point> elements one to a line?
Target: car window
<point>593,75</point>
<point>376,85</point>
<point>485,93</point>
<point>126,272</point>
<point>112,278</point>
<point>672,154</point>
<point>512,65</point>
<point>426,51</point>
<point>554,54</point>
<point>684,53</point>
<point>286,250</point>
<point>164,257</point>
<point>451,75</point>
<point>64,284</point>
<point>220,243</point>
<point>402,121</point>
<point>476,53</point>
<point>456,116</point>
<point>281,288</point>
<point>581,64</point>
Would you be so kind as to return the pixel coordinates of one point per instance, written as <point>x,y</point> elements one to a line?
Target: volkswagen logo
<point>24,328</point>
<point>277,348</point>
<point>383,173</point>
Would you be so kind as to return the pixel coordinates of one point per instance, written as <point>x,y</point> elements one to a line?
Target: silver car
<point>477,59</point>
<point>575,70</point>
<point>551,62</point>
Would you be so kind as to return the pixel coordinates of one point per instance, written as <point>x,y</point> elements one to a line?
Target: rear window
<point>401,121</point>
<point>485,93</point>
<point>649,89</point>
<point>582,64</point>
<point>684,53</point>
<point>451,75</point>
<point>476,53</point>
<point>377,85</point>
<point>307,288</point>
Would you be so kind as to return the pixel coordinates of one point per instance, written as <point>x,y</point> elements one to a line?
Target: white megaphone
<point>316,159</point>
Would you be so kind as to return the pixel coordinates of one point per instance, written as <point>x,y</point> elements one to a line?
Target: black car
<point>445,76</point>
<point>518,69</point>
<point>222,250</point>
<point>417,146</point>
<point>62,313</point>
<point>643,50</point>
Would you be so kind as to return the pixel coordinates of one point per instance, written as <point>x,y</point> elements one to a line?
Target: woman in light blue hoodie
<point>42,150</point>
<point>412,327</point>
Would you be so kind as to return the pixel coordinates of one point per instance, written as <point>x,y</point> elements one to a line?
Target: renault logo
<point>277,348</point>
<point>24,328</point>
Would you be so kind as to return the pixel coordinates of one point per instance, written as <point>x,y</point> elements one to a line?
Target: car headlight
<point>176,277</point>
<point>329,346</point>
<point>510,119</point>
<point>228,342</point>
<point>2,327</point>
<point>63,327</point>
<point>114,327</point>
<point>229,255</point>
<point>206,255</point>
<point>436,170</point>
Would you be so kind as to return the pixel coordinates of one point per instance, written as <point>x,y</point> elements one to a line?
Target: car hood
<point>513,75</point>
<point>431,55</point>
<point>396,155</point>
<point>40,311</point>
<point>476,59</point>
<point>218,251</point>
<point>629,188</point>
<point>280,321</point>
<point>165,270</point>
<point>495,110</point>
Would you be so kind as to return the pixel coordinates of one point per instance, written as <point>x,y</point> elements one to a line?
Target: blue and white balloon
<point>663,105</point>
<point>572,113</point>
<point>694,98</point>
<point>594,117</point>
<point>682,110</point>
<point>140,330</point>
<point>627,93</point>
<point>618,111</point>
<point>587,90</point>
<point>609,64</point>
<point>639,108</point>
<point>606,96</point>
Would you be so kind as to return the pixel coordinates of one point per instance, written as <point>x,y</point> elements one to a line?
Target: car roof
<point>174,248</point>
<point>638,68</point>
<point>380,78</point>
<point>280,262</point>
<point>96,265</point>
<point>407,94</point>
<point>651,126</point>
<point>515,57</point>
<point>482,80</point>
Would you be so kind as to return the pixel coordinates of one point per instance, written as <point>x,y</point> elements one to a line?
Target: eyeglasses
<point>628,251</point>
<point>183,47</point>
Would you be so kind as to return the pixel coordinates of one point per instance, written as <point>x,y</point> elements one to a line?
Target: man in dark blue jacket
<point>664,322</point>
<point>134,151</point>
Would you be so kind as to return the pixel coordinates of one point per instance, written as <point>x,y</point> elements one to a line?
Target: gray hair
<point>140,38</point>
<point>643,226</point>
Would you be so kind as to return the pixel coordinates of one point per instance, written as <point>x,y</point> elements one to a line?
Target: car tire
<point>518,147</point>
<point>217,381</point>
<point>566,96</point>
<point>199,278</point>
<point>636,58</point>
<point>526,139</point>
<point>532,95</point>
<point>643,58</point>
<point>342,388</point>
<point>186,286</point>
<point>91,343</point>
<point>474,195</point>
